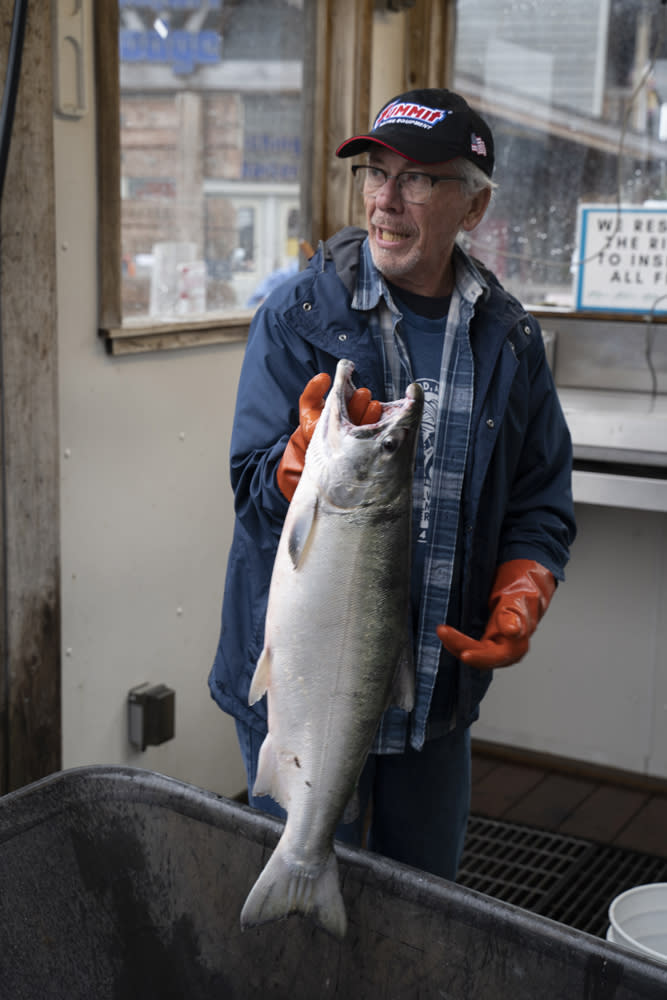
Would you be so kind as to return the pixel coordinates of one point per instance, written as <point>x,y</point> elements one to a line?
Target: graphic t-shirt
<point>423,331</point>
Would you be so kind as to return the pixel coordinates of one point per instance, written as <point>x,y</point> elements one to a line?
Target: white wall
<point>146,511</point>
<point>594,684</point>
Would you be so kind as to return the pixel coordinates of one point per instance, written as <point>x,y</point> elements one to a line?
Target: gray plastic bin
<point>119,883</point>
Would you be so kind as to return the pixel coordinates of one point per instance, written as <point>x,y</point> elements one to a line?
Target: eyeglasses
<point>413,187</point>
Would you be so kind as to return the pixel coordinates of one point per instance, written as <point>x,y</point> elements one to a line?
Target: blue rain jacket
<point>517,497</point>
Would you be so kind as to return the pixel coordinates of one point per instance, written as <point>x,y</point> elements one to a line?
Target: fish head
<point>359,465</point>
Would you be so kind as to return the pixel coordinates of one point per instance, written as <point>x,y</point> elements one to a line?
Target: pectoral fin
<point>302,521</point>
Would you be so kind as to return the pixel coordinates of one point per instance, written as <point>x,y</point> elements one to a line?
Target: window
<point>576,95</point>
<point>210,147</point>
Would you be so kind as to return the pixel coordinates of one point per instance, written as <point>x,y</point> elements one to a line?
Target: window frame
<point>140,335</point>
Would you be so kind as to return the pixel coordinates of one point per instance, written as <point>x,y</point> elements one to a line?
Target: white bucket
<point>638,920</point>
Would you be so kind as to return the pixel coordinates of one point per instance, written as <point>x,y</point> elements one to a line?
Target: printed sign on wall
<point>621,261</point>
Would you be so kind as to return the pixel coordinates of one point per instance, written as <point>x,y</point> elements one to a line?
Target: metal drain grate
<point>564,878</point>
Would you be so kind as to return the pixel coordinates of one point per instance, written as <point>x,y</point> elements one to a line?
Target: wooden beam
<point>429,44</point>
<point>107,87</point>
<point>30,570</point>
<point>340,107</point>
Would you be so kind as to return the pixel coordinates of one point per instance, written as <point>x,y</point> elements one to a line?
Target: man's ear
<point>477,209</point>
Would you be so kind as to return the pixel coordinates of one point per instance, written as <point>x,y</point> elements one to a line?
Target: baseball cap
<point>428,126</point>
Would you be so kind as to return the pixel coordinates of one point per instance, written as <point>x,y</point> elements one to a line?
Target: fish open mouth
<point>346,457</point>
<point>344,389</point>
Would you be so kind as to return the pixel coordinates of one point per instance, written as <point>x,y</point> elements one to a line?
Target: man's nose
<point>389,195</point>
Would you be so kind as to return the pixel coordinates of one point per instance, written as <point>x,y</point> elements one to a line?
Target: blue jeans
<point>419,800</point>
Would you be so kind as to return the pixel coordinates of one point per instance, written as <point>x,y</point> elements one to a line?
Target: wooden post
<point>340,106</point>
<point>29,491</point>
<point>107,87</point>
<point>429,58</point>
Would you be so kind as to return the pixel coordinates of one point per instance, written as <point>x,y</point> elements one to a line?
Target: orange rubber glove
<point>521,593</point>
<point>361,408</point>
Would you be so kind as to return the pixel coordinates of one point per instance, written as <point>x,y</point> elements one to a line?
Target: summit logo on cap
<point>400,112</point>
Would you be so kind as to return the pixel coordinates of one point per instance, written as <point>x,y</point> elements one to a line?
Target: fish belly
<point>334,629</point>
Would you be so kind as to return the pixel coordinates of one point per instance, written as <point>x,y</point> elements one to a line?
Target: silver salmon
<point>336,645</point>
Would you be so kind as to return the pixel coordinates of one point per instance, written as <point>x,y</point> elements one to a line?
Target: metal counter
<point>620,447</point>
<point>611,376</point>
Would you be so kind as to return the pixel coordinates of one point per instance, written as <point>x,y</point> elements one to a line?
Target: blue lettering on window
<point>182,50</point>
<point>160,5</point>
<point>284,172</point>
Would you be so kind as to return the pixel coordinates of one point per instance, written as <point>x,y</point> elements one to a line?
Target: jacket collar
<point>350,253</point>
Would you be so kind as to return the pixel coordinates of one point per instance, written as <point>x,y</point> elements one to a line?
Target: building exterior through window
<point>210,150</point>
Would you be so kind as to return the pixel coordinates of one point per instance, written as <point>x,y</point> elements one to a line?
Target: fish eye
<point>390,445</point>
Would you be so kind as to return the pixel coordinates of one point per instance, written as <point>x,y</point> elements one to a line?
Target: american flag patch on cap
<point>477,145</point>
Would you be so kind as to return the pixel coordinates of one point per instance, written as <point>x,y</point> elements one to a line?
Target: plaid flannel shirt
<point>449,462</point>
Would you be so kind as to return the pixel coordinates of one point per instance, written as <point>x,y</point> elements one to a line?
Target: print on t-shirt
<point>431,389</point>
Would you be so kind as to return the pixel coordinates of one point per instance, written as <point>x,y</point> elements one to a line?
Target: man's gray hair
<point>474,179</point>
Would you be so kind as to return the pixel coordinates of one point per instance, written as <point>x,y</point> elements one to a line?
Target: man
<point>493,514</point>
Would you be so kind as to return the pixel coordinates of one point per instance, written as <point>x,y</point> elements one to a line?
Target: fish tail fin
<point>282,889</point>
